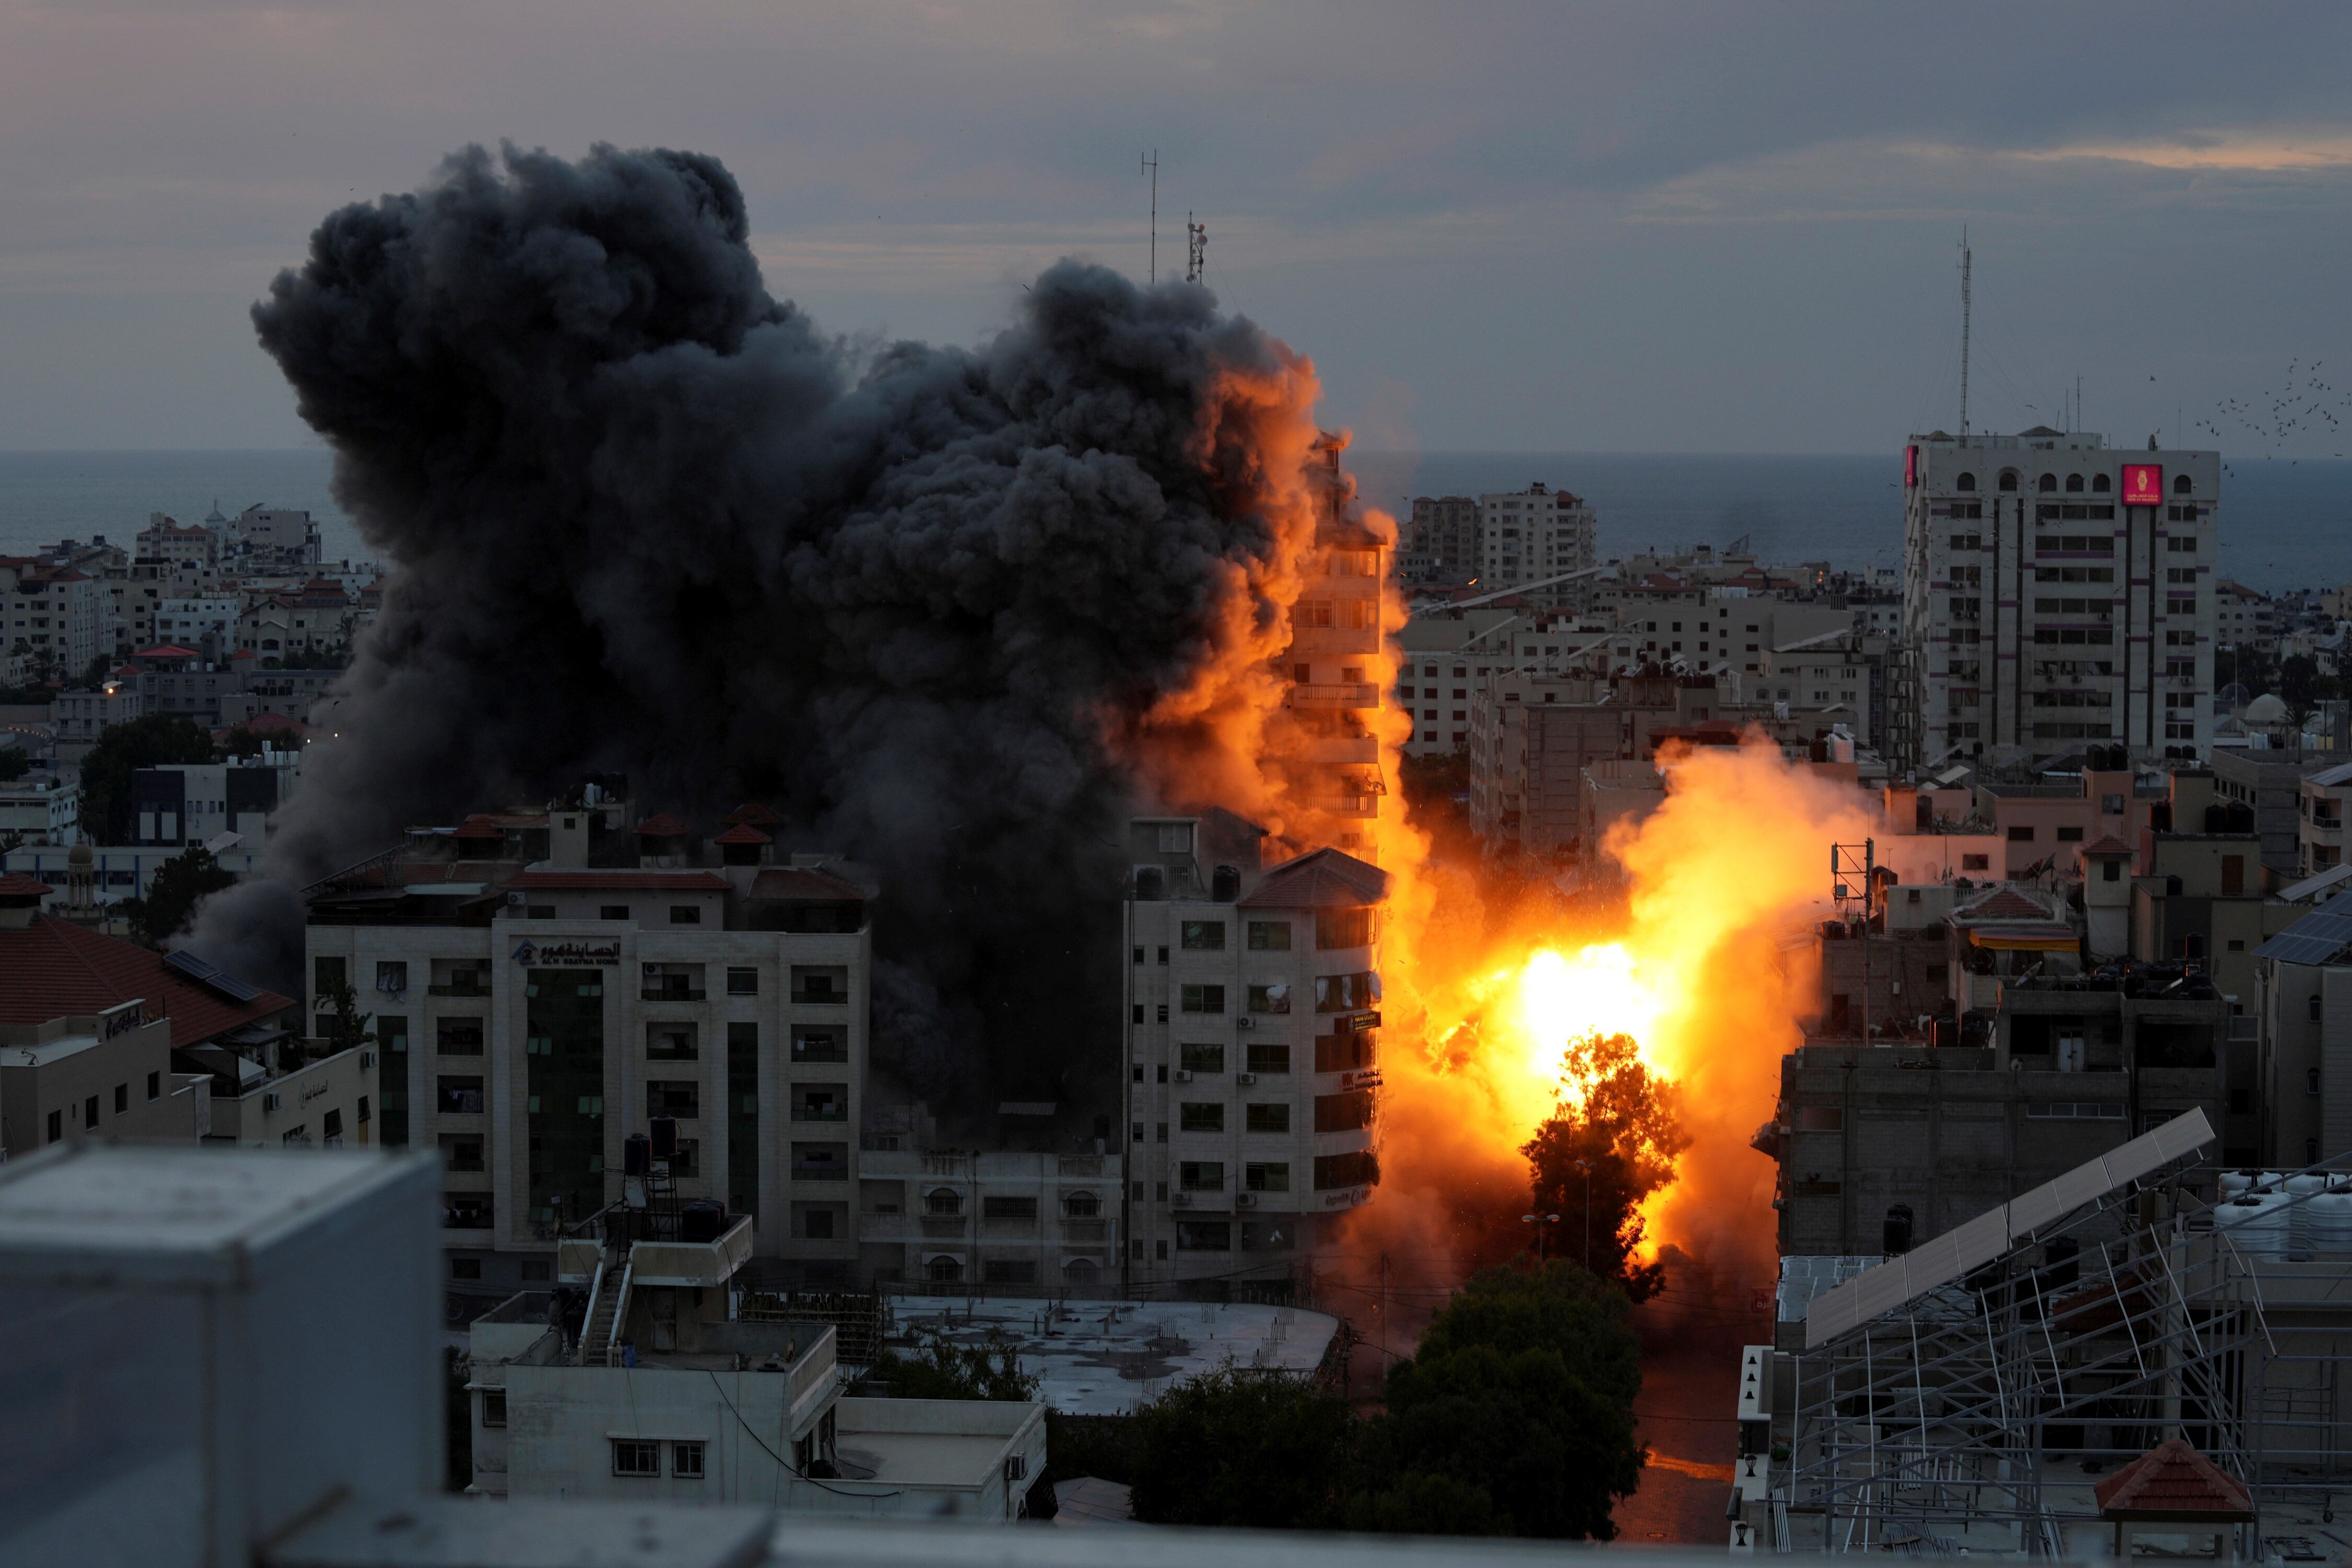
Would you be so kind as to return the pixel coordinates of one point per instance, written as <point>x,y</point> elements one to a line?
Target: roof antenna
<point>1150,165</point>
<point>1964,336</point>
<point>1196,249</point>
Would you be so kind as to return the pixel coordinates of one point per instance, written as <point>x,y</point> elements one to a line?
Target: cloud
<point>2265,150</point>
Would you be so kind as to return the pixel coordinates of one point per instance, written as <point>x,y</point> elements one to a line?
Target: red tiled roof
<point>755,814</point>
<point>661,824</point>
<point>53,969</point>
<point>2108,844</point>
<point>802,883</point>
<point>2173,1480</point>
<point>2005,905</point>
<point>743,833</point>
<point>476,826</point>
<point>167,652</point>
<point>1320,878</point>
<point>16,885</point>
<point>597,879</point>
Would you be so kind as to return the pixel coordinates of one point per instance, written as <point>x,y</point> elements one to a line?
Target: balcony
<point>458,988</point>
<point>827,1173</point>
<point>1085,1229</point>
<point>671,993</point>
<point>943,1226</point>
<point>820,1113</point>
<point>1334,694</point>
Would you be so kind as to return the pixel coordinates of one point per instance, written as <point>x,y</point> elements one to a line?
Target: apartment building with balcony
<point>998,1219</point>
<point>532,1014</point>
<point>2322,800</point>
<point>2055,591</point>
<point>1251,1007</point>
<point>1532,536</point>
<point>1337,665</point>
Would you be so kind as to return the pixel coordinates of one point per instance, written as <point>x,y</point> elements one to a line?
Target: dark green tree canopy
<point>121,751</point>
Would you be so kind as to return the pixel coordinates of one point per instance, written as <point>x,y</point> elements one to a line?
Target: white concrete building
<point>2323,801</point>
<point>2056,592</point>
<point>999,1219</point>
<point>1526,536</point>
<point>39,808</point>
<point>117,872</point>
<point>734,1412</point>
<point>59,617</point>
<point>1252,1009</point>
<point>81,716</point>
<point>207,625</point>
<point>530,1020</point>
<point>276,536</point>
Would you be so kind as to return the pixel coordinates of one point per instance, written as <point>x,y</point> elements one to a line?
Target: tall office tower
<point>2057,591</point>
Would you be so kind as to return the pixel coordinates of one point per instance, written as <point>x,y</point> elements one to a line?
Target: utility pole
<point>1964,337</point>
<point>1150,165</point>
<point>1196,249</point>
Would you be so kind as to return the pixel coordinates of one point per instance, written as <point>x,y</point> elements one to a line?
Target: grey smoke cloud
<point>645,517</point>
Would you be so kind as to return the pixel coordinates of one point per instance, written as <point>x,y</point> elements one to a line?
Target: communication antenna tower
<point>1150,165</point>
<point>1196,249</point>
<point>1964,337</point>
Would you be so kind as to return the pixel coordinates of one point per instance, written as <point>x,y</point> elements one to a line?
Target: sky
<point>1653,227</point>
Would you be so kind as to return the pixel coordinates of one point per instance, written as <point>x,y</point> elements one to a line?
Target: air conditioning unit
<point>1242,1022</point>
<point>1183,1075</point>
<point>272,1099</point>
<point>1245,1077</point>
<point>1245,1200</point>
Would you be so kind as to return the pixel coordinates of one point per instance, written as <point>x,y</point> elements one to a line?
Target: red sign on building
<point>1910,468</point>
<point>2143,484</point>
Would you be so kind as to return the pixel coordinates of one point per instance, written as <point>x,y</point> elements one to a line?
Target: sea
<point>2284,524</point>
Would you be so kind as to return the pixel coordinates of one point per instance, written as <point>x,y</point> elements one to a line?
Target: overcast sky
<point>1650,227</point>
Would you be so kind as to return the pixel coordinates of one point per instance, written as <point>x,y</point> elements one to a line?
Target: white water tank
<point>2327,1223</point>
<point>2257,1223</point>
<point>2237,1183</point>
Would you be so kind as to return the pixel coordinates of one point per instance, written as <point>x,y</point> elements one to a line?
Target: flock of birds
<point>2305,406</point>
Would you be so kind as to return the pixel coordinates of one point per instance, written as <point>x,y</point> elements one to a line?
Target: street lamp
<point>1540,1221</point>
<point>1586,1166</point>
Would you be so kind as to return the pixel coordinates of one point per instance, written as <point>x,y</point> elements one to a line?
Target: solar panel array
<point>2316,938</point>
<point>204,974</point>
<point>1965,1248</point>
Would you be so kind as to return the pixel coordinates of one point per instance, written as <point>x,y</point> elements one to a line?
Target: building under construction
<point>2038,1380</point>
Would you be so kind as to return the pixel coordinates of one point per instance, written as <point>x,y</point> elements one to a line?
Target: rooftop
<point>53,969</point>
<point>594,878</point>
<point>1321,878</point>
<point>1103,1358</point>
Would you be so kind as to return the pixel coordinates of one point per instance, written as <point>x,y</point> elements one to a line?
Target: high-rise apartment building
<point>2056,592</point>
<point>1442,540</point>
<point>1252,1018</point>
<point>1528,536</point>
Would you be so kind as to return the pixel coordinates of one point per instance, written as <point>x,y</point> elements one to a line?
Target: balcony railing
<point>458,988</point>
<point>670,994</point>
<point>1335,694</point>
<point>813,997</point>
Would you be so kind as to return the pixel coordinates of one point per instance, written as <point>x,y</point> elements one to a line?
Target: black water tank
<point>701,1219</point>
<point>636,1159</point>
<point>2217,819</point>
<point>2160,816</point>
<point>1225,884</point>
<point>1151,884</point>
<point>2241,818</point>
<point>665,1131</point>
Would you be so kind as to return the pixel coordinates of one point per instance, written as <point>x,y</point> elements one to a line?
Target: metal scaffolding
<point>1980,1411</point>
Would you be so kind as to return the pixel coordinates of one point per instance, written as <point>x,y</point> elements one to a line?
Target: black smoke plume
<point>643,517</point>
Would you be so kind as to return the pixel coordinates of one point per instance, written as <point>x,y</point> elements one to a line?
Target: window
<point>462,1150</point>
<point>1199,1118</point>
<point>2070,836</point>
<point>2314,1007</point>
<point>1270,998</point>
<point>1201,1057</point>
<point>2047,484</point>
<point>1201,1175</point>
<point>465,1268</point>
<point>1268,1177</point>
<point>1203,999</point>
<point>331,1127</point>
<point>671,1043</point>
<point>2181,484</point>
<point>1204,1235</point>
<point>1975,862</point>
<point>327,976</point>
<point>494,1407</point>
<point>1275,1118</point>
<point>2022,834</point>
<point>459,1038</point>
<point>1346,993</point>
<point>673,1096</point>
<point>58,1118</point>
<point>631,1457</point>
<point>1203,936</point>
<point>1344,928</point>
<point>364,1111</point>
<point>392,977</point>
<point>539,911</point>
<point>1268,1057</point>
<point>1968,482</point>
<point>1361,1168</point>
<point>155,1086</point>
<point>1343,1112</point>
<point>815,1044</point>
<point>742,983</point>
<point>613,911</point>
<point>944,1203</point>
<point>1269,936</point>
<point>122,1097</point>
<point>458,1095</point>
<point>2073,484</point>
<point>685,914</point>
<point>1081,1205</point>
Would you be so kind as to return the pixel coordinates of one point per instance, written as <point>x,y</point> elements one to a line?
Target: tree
<point>241,742</point>
<point>944,1370</point>
<point>14,762</point>
<point>346,1026</point>
<point>1246,1447</point>
<point>172,892</point>
<point>1514,1416</point>
<point>1610,1141</point>
<point>156,741</point>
